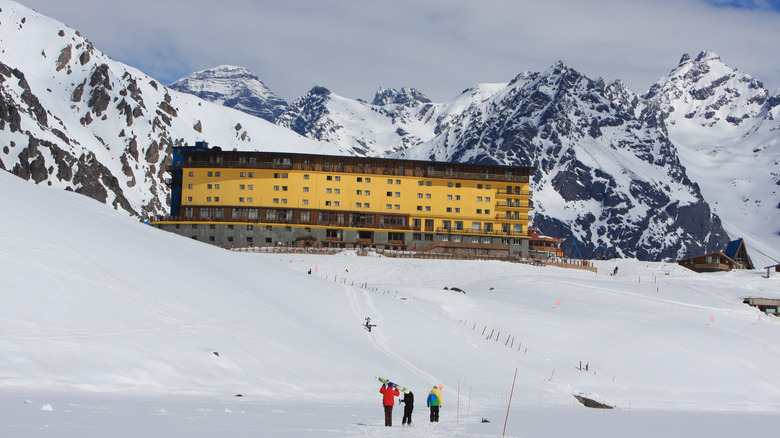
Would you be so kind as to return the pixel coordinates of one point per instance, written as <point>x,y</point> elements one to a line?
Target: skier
<point>408,401</point>
<point>434,402</point>
<point>388,391</point>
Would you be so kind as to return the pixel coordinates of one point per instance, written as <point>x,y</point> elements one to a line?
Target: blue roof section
<point>732,248</point>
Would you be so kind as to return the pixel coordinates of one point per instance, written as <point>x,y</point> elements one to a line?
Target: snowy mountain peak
<point>234,87</point>
<point>406,96</point>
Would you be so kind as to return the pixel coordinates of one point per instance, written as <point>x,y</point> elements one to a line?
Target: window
<point>208,198</point>
<point>276,188</point>
<point>241,187</point>
<point>389,193</point>
<point>479,211</point>
<point>449,209</point>
<point>192,173</point>
<point>419,208</point>
<point>389,206</point>
<point>427,183</point>
<point>359,179</point>
<point>367,192</point>
<point>368,180</point>
<point>329,178</point>
<point>335,203</point>
<point>189,186</point>
<point>446,225</point>
<point>242,174</point>
<point>479,198</point>
<point>457,184</point>
<point>305,202</point>
<point>449,184</point>
<point>284,200</point>
<point>216,186</point>
<point>366,205</point>
<point>284,175</point>
<point>457,210</point>
<point>459,225</point>
<point>397,207</point>
<point>359,192</point>
<point>487,198</point>
<point>328,190</point>
<point>250,199</point>
<point>359,204</point>
<point>476,226</point>
<point>210,174</point>
<point>419,183</point>
<point>419,195</point>
<point>276,200</point>
<point>338,178</point>
<point>284,188</point>
<point>216,199</point>
<point>479,186</point>
<point>457,197</point>
<point>189,198</point>
<point>305,189</point>
<point>487,186</point>
<point>398,181</point>
<point>337,191</point>
<point>449,197</point>
<point>306,216</point>
<point>241,199</point>
<point>327,203</point>
<point>249,239</point>
<point>389,181</point>
<point>427,196</point>
<point>427,208</point>
<point>305,176</point>
<point>397,194</point>
<point>487,211</point>
<point>218,173</point>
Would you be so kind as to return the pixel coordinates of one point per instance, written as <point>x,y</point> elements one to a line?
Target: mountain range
<point>676,171</point>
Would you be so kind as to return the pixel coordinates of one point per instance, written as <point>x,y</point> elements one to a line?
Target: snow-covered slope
<point>234,87</point>
<point>72,118</point>
<point>394,121</point>
<point>94,301</point>
<point>726,126</point>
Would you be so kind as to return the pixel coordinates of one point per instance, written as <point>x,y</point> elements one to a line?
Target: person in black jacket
<point>408,407</point>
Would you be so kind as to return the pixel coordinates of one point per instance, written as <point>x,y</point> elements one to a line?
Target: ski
<point>386,381</point>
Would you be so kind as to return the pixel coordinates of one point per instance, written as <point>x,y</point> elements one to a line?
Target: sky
<point>440,47</point>
<point>115,328</point>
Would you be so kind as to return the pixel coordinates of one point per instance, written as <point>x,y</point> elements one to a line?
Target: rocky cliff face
<point>72,118</point>
<point>606,182</point>
<point>234,87</point>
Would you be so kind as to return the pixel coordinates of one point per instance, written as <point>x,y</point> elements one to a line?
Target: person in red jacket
<point>389,392</point>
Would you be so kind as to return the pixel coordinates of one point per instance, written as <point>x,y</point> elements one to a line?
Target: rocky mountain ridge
<point>234,87</point>
<point>74,119</point>
<point>614,167</point>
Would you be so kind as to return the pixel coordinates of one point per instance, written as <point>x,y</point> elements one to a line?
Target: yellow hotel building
<point>259,198</point>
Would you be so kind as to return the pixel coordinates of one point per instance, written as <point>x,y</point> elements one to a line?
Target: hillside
<point>96,303</point>
<point>72,118</point>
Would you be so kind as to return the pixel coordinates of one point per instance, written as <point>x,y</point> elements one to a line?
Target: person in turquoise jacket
<point>389,392</point>
<point>434,402</point>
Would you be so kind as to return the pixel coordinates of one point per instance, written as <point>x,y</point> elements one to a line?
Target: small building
<point>712,262</point>
<point>769,306</point>
<point>737,251</point>
<point>734,257</point>
<point>543,246</point>
<point>769,268</point>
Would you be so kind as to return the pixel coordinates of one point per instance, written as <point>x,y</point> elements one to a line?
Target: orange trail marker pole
<point>510,402</point>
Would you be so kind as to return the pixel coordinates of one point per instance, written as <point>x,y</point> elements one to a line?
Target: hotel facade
<point>234,198</point>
